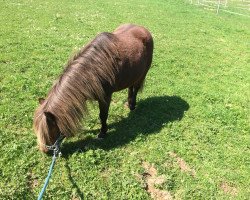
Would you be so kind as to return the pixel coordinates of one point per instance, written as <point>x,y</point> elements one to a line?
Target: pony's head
<point>45,127</point>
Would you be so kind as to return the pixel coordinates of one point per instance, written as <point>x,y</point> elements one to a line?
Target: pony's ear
<point>50,117</point>
<point>41,101</point>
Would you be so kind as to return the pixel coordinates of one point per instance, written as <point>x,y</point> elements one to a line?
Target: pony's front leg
<point>104,109</point>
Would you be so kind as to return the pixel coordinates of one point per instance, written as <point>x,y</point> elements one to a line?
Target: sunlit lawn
<point>190,129</point>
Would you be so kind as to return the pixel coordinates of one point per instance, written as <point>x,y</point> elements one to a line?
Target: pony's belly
<point>128,79</point>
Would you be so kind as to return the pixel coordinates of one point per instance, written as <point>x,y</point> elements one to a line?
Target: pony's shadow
<point>149,117</point>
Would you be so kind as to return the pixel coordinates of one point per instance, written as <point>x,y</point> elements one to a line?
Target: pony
<point>109,63</point>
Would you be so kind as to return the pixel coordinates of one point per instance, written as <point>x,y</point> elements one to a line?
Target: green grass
<point>195,102</point>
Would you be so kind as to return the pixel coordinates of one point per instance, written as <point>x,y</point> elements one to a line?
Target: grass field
<point>189,137</point>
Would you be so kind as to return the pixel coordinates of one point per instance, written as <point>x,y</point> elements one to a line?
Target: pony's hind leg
<point>104,109</point>
<point>131,99</point>
<point>132,93</point>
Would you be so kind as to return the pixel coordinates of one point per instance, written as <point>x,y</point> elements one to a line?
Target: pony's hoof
<point>131,108</point>
<point>101,135</point>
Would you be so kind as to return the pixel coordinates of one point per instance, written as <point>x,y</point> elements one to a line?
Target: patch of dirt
<point>126,105</point>
<point>74,198</point>
<point>32,181</point>
<point>105,174</point>
<point>183,165</point>
<point>151,179</point>
<point>228,189</point>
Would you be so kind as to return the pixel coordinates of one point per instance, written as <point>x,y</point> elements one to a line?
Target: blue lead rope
<point>56,151</point>
<point>47,179</point>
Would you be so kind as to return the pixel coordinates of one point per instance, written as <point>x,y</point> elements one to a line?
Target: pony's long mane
<point>83,79</point>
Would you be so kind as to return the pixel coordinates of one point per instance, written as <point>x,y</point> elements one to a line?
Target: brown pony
<point>109,63</point>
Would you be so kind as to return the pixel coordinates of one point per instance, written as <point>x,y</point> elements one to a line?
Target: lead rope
<point>56,151</point>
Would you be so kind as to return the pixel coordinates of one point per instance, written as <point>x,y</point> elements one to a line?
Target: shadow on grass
<point>74,184</point>
<point>149,117</point>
